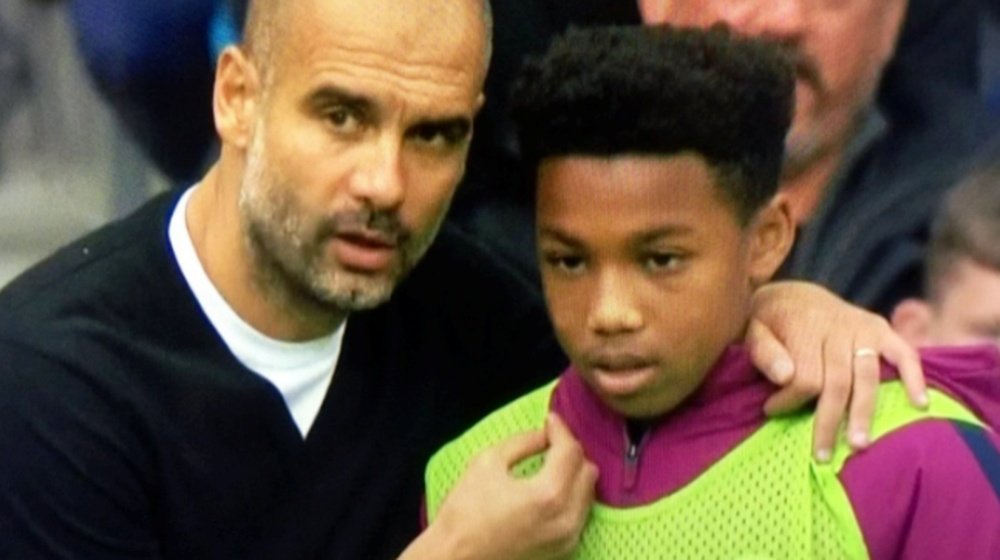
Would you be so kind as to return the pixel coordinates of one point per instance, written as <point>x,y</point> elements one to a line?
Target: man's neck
<point>217,233</point>
<point>806,187</point>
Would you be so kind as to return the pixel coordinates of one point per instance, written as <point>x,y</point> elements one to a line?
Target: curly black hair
<point>617,90</point>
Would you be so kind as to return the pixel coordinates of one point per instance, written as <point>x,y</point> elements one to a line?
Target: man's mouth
<point>364,251</point>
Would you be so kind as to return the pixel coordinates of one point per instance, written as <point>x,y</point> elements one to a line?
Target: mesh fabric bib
<point>766,499</point>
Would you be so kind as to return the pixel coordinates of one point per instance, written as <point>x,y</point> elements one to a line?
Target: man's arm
<point>812,343</point>
<point>929,490</point>
<point>490,514</point>
<point>69,486</point>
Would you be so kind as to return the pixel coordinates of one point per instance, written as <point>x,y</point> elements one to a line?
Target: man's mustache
<point>384,225</point>
<point>806,67</point>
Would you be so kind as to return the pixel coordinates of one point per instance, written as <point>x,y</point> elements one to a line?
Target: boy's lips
<point>621,374</point>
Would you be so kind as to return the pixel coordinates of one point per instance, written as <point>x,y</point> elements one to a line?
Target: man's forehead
<point>415,25</point>
<point>438,40</point>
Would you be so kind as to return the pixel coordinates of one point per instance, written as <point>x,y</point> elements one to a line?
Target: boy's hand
<point>811,342</point>
<point>492,515</point>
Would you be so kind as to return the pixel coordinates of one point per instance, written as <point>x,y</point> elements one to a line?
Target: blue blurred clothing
<point>151,59</point>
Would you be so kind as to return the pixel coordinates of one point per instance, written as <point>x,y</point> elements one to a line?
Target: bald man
<point>224,375</point>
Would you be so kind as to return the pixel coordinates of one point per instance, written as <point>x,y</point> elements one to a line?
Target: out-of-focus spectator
<point>963,269</point>
<point>865,167</point>
<point>152,61</point>
<point>65,167</point>
<point>902,141</point>
<point>991,58</point>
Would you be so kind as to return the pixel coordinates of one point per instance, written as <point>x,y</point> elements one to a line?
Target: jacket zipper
<point>632,450</point>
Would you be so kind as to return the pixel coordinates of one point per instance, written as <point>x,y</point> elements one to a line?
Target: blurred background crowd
<point>105,102</point>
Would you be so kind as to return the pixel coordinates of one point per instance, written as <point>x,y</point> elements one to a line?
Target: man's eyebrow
<point>329,96</point>
<point>458,125</point>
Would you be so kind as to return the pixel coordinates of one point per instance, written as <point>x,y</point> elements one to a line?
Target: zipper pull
<point>631,465</point>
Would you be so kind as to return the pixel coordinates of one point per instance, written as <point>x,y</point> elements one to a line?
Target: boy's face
<point>648,272</point>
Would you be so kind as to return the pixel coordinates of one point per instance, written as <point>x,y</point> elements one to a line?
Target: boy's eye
<point>659,262</point>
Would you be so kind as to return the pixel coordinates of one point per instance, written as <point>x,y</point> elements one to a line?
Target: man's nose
<point>613,307</point>
<point>379,179</point>
<point>783,21</point>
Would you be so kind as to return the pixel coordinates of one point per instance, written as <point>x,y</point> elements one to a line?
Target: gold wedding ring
<point>865,352</point>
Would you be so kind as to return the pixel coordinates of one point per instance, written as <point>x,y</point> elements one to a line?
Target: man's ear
<point>912,320</point>
<point>771,237</point>
<point>234,103</point>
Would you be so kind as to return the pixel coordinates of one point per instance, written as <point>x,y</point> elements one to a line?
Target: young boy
<point>658,155</point>
<point>963,269</point>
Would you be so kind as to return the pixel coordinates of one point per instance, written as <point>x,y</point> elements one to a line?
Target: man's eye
<point>440,137</point>
<point>662,262</point>
<point>343,119</point>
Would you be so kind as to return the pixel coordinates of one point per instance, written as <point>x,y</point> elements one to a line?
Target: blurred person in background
<point>65,165</point>
<point>153,62</point>
<point>894,91</point>
<point>863,172</point>
<point>962,305</point>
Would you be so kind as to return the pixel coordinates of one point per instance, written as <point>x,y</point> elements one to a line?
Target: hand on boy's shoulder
<point>813,344</point>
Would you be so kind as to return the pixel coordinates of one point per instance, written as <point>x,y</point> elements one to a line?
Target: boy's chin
<point>640,406</point>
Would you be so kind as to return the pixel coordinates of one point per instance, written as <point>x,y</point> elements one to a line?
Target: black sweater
<point>128,430</point>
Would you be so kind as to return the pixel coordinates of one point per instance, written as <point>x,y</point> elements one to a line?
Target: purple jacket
<point>928,490</point>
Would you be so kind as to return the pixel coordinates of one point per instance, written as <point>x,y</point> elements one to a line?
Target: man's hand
<point>490,514</point>
<point>811,342</point>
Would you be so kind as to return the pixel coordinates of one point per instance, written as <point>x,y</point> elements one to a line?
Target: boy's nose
<point>613,310</point>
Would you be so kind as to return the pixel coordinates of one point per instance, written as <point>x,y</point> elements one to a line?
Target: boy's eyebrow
<point>558,235</point>
<point>648,236</point>
<point>672,230</point>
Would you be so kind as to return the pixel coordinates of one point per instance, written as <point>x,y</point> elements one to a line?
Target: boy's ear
<point>235,97</point>
<point>772,234</point>
<point>912,320</point>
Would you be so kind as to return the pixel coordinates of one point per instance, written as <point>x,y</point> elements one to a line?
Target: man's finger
<point>907,361</point>
<point>565,455</point>
<point>837,381</point>
<point>768,354</point>
<point>562,443</point>
<point>787,400</point>
<point>519,447</point>
<point>864,394</point>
